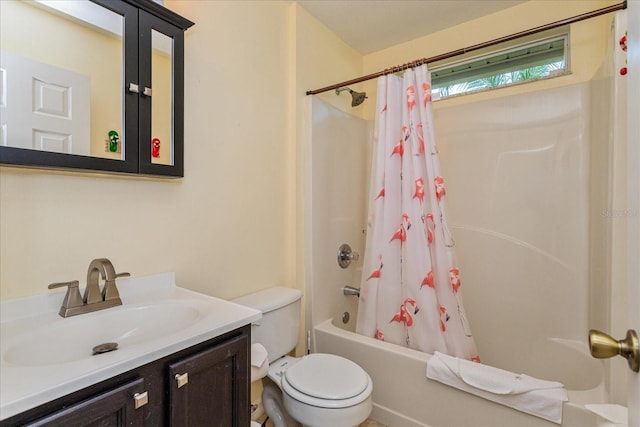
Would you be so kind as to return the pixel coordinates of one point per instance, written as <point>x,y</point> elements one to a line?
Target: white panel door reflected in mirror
<point>62,99</point>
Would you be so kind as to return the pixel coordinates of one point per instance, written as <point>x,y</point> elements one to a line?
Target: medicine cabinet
<point>95,85</point>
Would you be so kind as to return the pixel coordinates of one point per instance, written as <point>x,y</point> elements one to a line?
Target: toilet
<point>316,390</point>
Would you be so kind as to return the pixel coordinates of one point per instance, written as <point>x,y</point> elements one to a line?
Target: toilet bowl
<point>322,390</point>
<point>316,390</point>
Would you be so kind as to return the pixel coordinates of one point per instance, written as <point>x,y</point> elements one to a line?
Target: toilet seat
<point>327,381</point>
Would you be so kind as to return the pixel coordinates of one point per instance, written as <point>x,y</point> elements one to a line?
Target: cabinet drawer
<point>115,407</point>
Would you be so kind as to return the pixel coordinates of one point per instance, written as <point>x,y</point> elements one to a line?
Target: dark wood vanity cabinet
<point>204,385</point>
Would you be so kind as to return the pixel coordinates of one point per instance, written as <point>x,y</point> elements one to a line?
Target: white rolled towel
<point>259,364</point>
<point>527,394</point>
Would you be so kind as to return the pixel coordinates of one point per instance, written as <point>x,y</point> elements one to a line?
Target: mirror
<point>161,100</point>
<point>56,98</point>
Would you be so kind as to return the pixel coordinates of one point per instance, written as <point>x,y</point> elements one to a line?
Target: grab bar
<point>350,290</point>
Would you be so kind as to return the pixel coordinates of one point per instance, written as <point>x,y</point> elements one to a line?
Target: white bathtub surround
<point>410,287</point>
<point>616,415</point>
<point>509,166</point>
<point>533,396</point>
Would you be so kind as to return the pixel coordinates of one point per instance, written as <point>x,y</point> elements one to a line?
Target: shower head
<point>357,98</point>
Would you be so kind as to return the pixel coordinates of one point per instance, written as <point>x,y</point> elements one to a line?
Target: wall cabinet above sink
<point>95,85</point>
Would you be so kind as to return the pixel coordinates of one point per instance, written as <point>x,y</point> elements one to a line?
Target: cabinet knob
<point>182,379</point>
<point>140,399</point>
<point>133,88</point>
<point>147,91</point>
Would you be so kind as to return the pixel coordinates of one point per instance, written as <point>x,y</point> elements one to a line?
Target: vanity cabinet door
<point>112,408</point>
<point>211,388</point>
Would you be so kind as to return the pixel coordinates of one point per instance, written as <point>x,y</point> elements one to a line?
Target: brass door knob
<point>602,346</point>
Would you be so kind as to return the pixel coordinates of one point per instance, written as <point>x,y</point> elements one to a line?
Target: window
<point>531,61</point>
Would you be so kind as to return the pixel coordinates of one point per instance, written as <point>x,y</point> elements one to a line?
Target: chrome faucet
<point>93,298</point>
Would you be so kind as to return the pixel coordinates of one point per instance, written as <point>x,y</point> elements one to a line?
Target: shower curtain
<point>410,289</point>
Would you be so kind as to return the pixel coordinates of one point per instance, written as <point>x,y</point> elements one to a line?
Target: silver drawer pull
<point>133,88</point>
<point>146,91</point>
<point>182,379</point>
<point>140,399</point>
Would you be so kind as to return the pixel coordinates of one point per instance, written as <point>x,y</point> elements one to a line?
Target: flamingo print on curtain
<point>410,289</point>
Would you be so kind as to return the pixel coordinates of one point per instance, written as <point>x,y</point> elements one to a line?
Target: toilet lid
<point>327,376</point>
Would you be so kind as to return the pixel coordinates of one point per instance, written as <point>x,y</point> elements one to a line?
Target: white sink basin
<point>44,356</point>
<point>74,338</point>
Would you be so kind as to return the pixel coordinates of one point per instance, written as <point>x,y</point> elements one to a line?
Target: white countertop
<point>37,345</point>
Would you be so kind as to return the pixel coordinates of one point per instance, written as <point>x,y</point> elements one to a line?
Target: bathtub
<point>404,397</point>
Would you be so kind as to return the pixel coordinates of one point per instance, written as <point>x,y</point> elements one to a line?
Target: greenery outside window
<point>526,62</point>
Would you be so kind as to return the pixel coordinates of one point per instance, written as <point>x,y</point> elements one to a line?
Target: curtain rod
<point>418,62</point>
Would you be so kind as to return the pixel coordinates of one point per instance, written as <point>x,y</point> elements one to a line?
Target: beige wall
<point>227,228</point>
<point>323,59</point>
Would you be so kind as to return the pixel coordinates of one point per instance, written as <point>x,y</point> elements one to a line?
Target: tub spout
<point>350,290</point>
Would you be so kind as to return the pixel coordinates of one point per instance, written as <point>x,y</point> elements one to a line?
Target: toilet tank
<point>279,327</point>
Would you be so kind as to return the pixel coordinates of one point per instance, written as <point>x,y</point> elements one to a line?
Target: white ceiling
<point>372,25</point>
